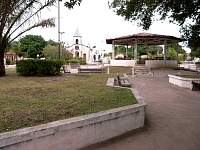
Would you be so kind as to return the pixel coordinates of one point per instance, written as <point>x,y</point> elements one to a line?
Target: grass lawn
<point>29,101</point>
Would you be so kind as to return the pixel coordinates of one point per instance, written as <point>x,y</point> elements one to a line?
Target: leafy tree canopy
<point>33,45</point>
<point>51,52</point>
<point>71,3</point>
<point>142,50</point>
<point>15,47</point>
<point>183,12</point>
<point>52,43</point>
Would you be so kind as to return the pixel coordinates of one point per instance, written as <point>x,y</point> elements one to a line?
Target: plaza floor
<point>172,117</point>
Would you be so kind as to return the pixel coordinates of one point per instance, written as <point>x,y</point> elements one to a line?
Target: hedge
<point>37,67</point>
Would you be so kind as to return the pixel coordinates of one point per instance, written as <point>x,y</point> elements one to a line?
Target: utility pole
<point>59,46</point>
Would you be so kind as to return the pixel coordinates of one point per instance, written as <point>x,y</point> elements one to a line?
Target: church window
<point>77,42</point>
<point>76,47</point>
<point>84,56</point>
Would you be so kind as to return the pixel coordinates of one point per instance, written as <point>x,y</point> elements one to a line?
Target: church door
<point>84,56</point>
<point>77,54</point>
<point>94,57</point>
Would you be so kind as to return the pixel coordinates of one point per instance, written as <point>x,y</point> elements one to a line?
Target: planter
<point>182,81</point>
<point>78,132</point>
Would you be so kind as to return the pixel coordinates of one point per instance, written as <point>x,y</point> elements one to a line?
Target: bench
<point>195,85</point>
<point>123,81</point>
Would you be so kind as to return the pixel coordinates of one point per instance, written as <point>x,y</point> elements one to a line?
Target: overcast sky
<point>96,22</point>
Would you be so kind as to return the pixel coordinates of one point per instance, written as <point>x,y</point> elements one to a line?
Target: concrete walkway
<point>173,118</point>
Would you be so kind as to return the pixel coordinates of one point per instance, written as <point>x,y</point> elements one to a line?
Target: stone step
<point>142,70</point>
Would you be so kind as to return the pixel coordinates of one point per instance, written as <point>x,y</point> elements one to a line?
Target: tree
<point>72,3</point>
<point>15,47</point>
<point>172,54</point>
<point>142,50</point>
<point>20,16</point>
<point>32,45</point>
<point>52,43</point>
<point>51,52</point>
<point>175,51</point>
<point>182,12</point>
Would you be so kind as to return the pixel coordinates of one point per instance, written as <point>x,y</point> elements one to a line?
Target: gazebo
<point>144,39</point>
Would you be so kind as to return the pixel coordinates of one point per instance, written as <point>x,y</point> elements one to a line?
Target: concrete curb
<point>181,81</point>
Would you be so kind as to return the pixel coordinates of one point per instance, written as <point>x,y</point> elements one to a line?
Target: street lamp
<point>59,46</point>
<point>61,33</point>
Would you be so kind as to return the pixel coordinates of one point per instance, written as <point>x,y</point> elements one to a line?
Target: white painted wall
<point>125,63</point>
<point>161,64</point>
<point>181,82</point>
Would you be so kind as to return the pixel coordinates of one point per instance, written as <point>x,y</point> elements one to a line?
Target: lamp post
<point>59,46</point>
<point>61,33</point>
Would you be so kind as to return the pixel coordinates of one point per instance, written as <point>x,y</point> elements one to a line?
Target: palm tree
<point>18,17</point>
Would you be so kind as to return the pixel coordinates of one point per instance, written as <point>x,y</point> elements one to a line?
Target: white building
<point>80,50</point>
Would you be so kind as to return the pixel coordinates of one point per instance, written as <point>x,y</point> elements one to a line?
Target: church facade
<point>80,50</point>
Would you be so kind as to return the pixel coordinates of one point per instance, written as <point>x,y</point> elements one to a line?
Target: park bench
<point>123,81</point>
<point>195,85</point>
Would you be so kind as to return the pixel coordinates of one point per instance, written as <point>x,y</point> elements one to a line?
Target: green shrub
<point>36,67</point>
<point>8,62</point>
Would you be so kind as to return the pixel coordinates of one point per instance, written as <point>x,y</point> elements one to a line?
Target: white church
<point>79,50</point>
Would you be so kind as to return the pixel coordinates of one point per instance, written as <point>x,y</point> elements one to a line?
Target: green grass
<point>30,101</point>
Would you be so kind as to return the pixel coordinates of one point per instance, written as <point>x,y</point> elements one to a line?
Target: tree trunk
<point>2,65</point>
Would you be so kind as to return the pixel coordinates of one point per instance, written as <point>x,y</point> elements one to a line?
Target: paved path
<point>173,118</point>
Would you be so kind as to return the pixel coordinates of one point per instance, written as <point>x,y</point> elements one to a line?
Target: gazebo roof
<point>144,38</point>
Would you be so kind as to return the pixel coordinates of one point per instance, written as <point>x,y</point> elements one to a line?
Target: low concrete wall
<point>195,67</point>
<point>125,63</point>
<point>161,64</point>
<point>181,81</point>
<point>10,66</point>
<point>75,133</point>
<point>91,66</point>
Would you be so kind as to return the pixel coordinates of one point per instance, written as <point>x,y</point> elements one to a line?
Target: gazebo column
<point>135,51</point>
<point>177,51</point>
<point>165,51</point>
<point>113,50</point>
<point>126,51</point>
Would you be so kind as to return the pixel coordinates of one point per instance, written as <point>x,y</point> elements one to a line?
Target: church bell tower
<point>77,42</point>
